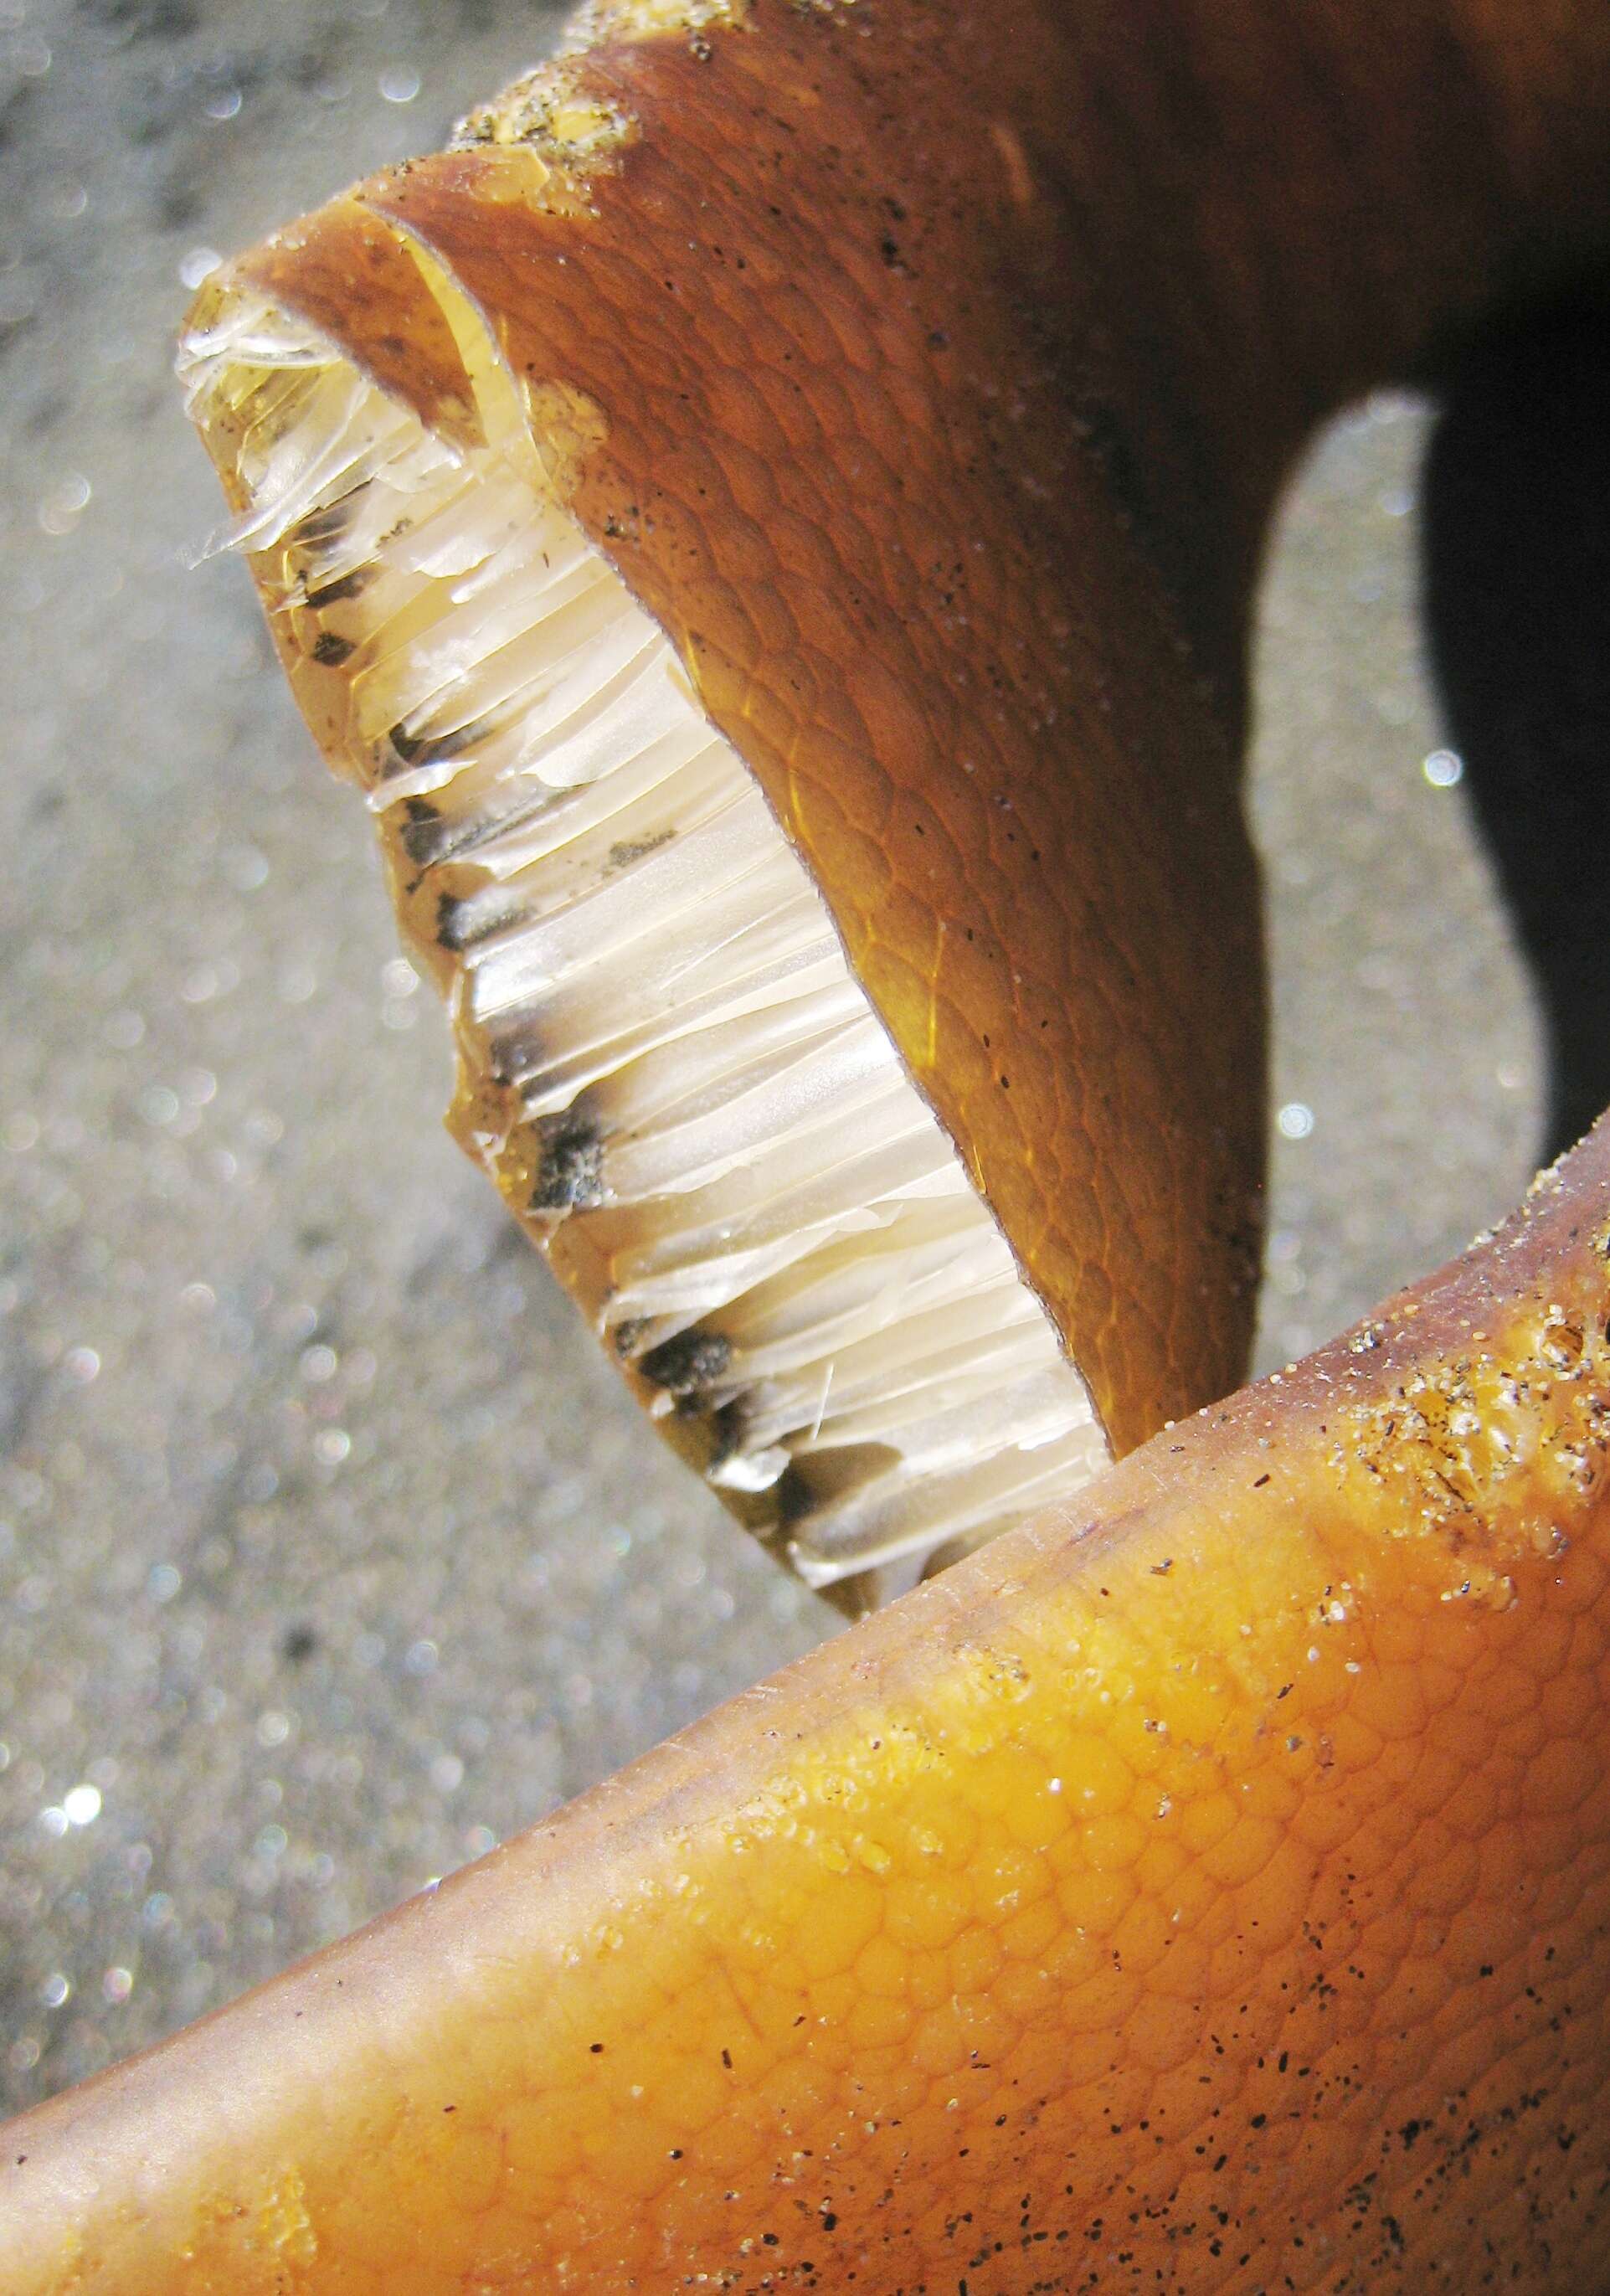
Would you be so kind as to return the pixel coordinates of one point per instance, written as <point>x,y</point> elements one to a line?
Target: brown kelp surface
<point>1205,1886</point>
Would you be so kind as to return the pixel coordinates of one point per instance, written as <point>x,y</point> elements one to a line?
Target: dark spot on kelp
<point>422,750</point>
<point>627,849</point>
<point>808,1484</point>
<point>462,921</point>
<point>330,650</point>
<point>691,1361</point>
<point>421,833</point>
<point>348,585</point>
<point>411,748</point>
<point>570,1166</point>
<point>327,524</point>
<point>730,1428</point>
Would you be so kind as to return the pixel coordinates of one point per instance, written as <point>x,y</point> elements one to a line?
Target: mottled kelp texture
<point>1209,1890</point>
<point>1207,1894</point>
<point>875,565</point>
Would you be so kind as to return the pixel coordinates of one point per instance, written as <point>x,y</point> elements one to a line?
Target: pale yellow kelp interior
<point>665,1061</point>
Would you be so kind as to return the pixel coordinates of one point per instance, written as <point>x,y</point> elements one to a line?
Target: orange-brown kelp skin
<point>1214,1900</point>
<point>938,366</point>
<point>821,325</point>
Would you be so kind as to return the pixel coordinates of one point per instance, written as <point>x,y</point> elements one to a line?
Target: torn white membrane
<point>667,1064</point>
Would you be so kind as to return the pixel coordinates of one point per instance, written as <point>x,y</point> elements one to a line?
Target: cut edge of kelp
<point>665,1061</point>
